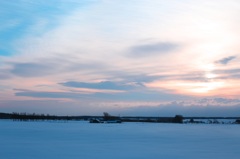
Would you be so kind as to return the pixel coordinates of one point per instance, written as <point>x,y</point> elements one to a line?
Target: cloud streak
<point>102,85</point>
<point>31,70</point>
<point>4,74</point>
<point>152,49</point>
<point>226,60</point>
<point>105,96</point>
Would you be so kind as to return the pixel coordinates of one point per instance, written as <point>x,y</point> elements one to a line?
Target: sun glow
<point>204,87</point>
<point>186,87</point>
<point>210,75</point>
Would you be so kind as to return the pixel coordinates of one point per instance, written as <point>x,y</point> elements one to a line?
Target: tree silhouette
<point>106,116</point>
<point>178,119</point>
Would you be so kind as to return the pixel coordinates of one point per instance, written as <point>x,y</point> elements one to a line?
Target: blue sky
<point>22,18</point>
<point>119,56</point>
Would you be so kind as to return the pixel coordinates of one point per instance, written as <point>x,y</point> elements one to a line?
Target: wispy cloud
<point>140,96</point>
<point>49,94</point>
<point>226,60</point>
<point>152,49</point>
<point>173,108</point>
<point>4,74</point>
<point>103,85</point>
<point>31,70</point>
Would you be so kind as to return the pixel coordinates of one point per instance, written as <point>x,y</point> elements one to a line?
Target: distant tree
<point>106,116</point>
<point>178,119</point>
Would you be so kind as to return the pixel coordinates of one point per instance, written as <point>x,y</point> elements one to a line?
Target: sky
<point>126,57</point>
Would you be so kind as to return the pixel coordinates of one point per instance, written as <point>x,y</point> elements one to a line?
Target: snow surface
<point>82,140</point>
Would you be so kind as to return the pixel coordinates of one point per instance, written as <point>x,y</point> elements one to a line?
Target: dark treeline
<point>107,117</point>
<point>5,116</point>
<point>33,116</point>
<point>26,117</point>
<point>176,119</point>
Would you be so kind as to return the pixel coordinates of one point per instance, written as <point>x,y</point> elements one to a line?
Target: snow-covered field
<point>81,140</point>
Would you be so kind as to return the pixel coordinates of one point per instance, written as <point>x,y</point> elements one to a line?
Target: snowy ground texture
<point>81,140</point>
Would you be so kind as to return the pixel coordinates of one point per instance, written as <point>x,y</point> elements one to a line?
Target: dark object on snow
<point>95,121</point>
<point>113,121</point>
<point>237,121</point>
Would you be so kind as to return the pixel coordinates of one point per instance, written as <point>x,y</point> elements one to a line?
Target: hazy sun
<point>210,75</point>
